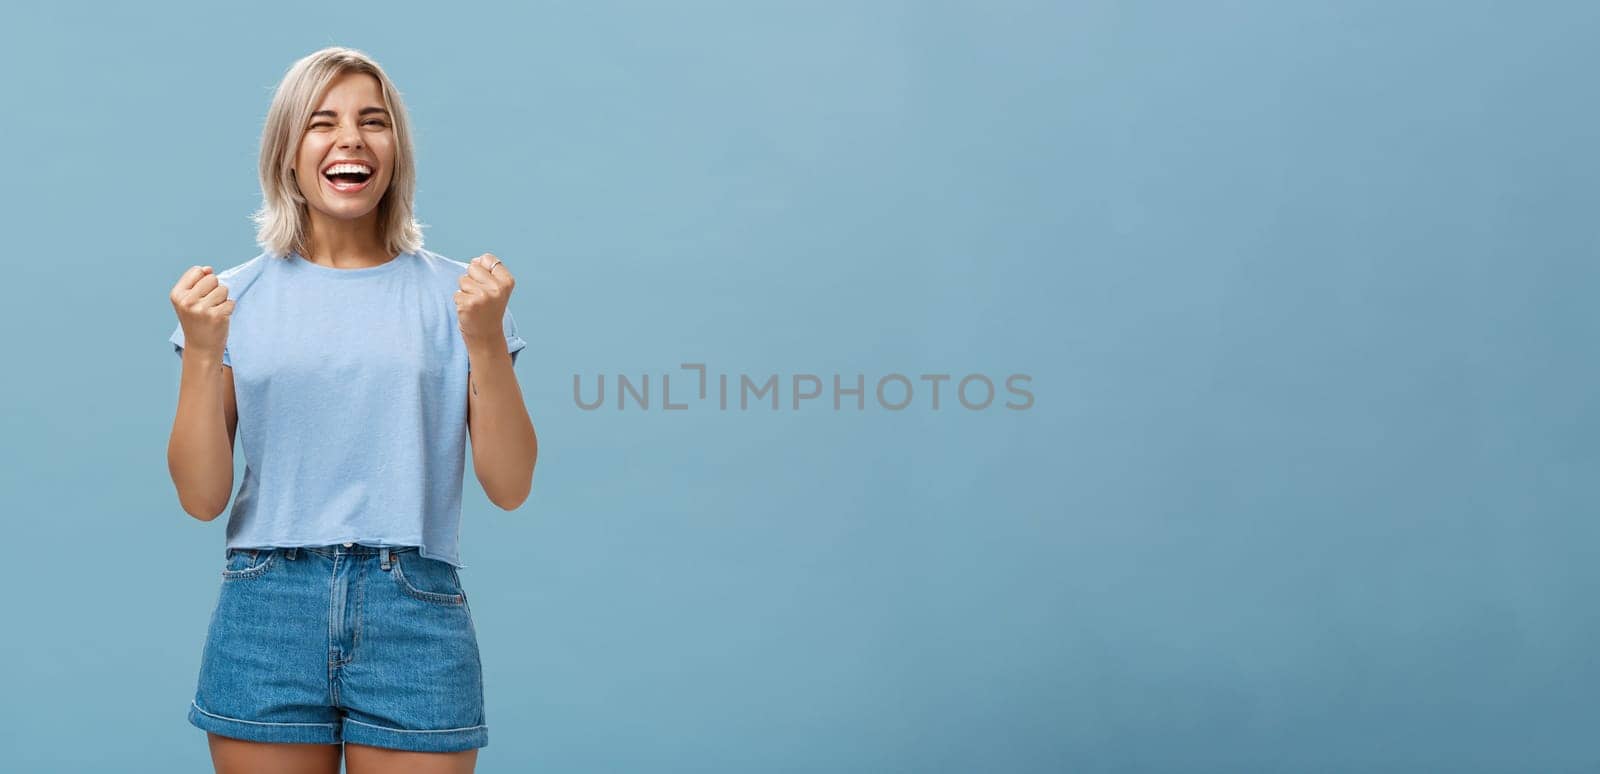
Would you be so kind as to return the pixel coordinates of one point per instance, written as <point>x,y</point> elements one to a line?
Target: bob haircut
<point>282,221</point>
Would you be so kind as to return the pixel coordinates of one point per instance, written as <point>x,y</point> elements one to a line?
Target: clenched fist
<point>481,301</point>
<point>203,307</point>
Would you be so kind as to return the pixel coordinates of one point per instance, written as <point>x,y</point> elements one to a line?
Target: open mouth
<point>348,178</point>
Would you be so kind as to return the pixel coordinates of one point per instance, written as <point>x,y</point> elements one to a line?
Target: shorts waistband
<point>356,549</point>
<point>336,549</point>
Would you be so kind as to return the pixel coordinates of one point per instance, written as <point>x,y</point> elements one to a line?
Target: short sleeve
<point>514,343</point>
<point>227,357</point>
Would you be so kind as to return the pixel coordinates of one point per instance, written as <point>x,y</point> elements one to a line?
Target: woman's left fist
<point>481,301</point>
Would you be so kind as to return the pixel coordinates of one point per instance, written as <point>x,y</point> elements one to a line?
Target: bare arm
<point>504,447</point>
<point>200,451</point>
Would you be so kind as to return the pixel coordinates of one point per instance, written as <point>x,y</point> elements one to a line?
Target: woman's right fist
<point>203,307</point>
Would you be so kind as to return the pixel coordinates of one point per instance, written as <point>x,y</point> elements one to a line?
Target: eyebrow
<point>364,111</point>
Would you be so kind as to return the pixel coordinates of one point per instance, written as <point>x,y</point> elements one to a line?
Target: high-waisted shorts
<point>344,643</point>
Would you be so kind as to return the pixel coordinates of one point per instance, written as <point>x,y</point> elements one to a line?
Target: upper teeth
<point>341,169</point>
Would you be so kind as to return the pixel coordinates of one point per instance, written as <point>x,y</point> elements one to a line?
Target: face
<point>346,157</point>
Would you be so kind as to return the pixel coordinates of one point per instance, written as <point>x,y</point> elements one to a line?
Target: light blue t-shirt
<point>351,386</point>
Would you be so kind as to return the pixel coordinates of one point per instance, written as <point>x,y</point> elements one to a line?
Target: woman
<point>354,367</point>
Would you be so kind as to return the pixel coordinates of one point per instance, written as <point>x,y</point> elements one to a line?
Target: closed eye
<point>372,122</point>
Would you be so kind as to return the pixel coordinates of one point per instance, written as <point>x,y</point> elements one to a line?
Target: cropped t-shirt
<point>351,386</point>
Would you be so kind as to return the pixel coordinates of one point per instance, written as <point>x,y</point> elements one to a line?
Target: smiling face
<point>346,157</point>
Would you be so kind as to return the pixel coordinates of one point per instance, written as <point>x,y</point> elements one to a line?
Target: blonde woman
<point>353,365</point>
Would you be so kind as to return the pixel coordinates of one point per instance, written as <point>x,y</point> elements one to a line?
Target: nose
<point>349,137</point>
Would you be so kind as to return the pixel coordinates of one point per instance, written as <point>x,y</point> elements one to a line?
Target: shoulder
<point>433,260</point>
<point>447,270</point>
<point>239,278</point>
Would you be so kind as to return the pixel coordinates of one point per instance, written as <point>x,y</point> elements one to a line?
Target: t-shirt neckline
<point>366,271</point>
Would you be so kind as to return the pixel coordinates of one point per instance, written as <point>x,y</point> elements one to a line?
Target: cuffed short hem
<point>255,731</point>
<point>446,740</point>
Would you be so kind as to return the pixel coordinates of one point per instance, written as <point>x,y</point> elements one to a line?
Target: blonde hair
<point>282,221</point>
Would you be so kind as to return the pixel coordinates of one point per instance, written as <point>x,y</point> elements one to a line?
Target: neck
<point>345,244</point>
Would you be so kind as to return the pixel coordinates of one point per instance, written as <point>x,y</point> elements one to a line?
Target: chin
<point>347,210</point>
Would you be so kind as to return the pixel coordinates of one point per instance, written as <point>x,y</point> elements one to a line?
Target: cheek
<point>305,165</point>
<point>381,144</point>
<point>311,151</point>
<point>385,156</point>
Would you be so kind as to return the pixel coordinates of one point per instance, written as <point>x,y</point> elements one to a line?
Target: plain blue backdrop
<point>1306,292</point>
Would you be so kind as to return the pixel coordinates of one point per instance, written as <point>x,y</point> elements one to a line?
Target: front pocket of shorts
<point>429,580</point>
<point>245,563</point>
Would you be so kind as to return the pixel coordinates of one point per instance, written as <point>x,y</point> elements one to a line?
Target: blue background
<point>1306,291</point>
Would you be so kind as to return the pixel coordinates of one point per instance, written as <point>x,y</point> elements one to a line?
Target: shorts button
<point>347,545</point>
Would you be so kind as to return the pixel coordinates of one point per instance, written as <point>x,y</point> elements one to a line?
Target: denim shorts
<point>343,643</point>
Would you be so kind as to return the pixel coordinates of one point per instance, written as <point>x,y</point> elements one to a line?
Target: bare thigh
<point>365,759</point>
<point>237,756</point>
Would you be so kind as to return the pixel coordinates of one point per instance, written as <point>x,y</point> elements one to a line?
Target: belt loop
<point>383,556</point>
<point>292,552</point>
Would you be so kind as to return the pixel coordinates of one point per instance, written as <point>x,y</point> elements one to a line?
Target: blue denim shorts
<point>344,643</point>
